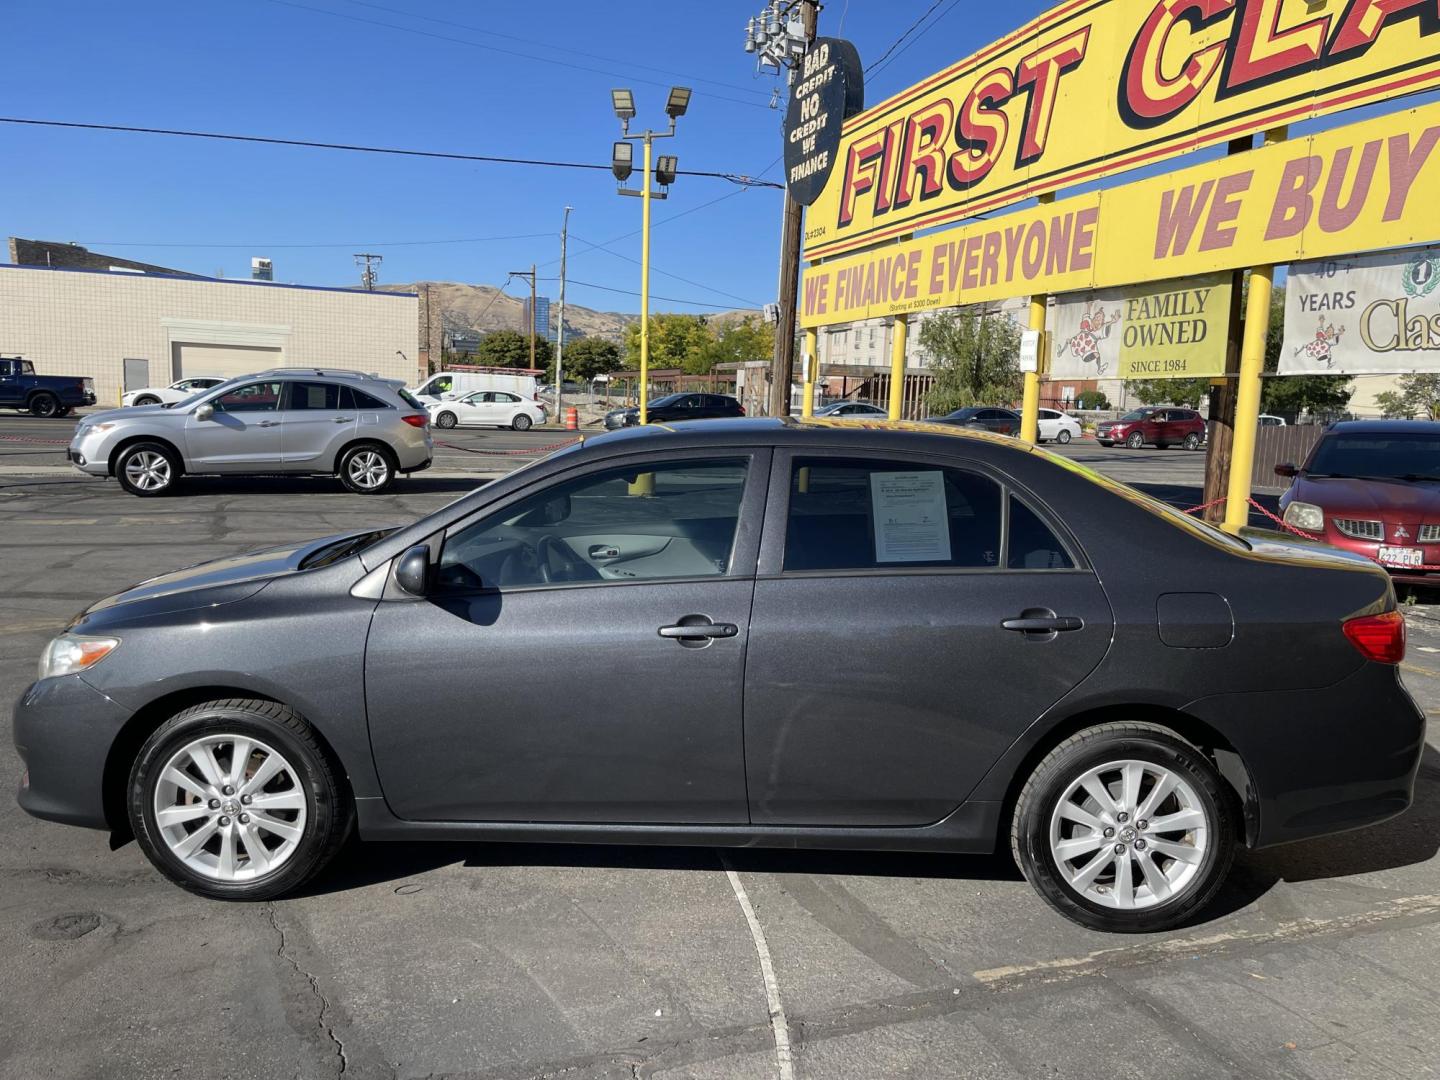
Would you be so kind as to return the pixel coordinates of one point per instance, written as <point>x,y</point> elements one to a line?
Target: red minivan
<point>1160,426</point>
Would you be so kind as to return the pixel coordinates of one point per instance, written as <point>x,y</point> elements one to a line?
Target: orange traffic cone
<point>572,419</point>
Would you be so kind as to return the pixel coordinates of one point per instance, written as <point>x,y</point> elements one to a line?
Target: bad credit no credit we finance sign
<point>1095,87</point>
<point>1370,185</point>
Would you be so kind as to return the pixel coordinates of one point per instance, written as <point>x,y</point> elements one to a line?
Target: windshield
<point>1137,414</point>
<point>1411,455</point>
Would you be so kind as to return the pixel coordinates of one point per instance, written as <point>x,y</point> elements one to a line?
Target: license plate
<point>1401,556</point>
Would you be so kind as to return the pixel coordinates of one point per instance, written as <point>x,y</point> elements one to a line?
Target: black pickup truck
<point>41,395</point>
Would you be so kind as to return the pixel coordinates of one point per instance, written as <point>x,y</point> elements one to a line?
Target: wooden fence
<point>1281,446</point>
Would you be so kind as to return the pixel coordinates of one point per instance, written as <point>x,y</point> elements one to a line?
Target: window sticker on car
<point>909,516</point>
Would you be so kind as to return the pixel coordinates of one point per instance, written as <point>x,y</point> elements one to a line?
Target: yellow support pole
<point>1030,396</point>
<point>897,365</point>
<point>645,288</point>
<point>1247,397</point>
<point>812,361</point>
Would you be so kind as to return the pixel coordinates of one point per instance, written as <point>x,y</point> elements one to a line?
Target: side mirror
<point>412,570</point>
<point>1286,470</point>
<point>205,412</point>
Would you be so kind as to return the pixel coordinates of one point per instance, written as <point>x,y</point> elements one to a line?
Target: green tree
<point>1092,399</point>
<point>975,360</point>
<point>1421,395</point>
<point>589,357</point>
<point>749,339</point>
<point>672,339</point>
<point>1393,406</point>
<point>510,348</point>
<point>1170,391</point>
<point>1291,395</point>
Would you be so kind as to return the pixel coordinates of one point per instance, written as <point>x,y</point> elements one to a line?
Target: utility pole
<point>560,334</point>
<point>368,275</point>
<point>531,275</point>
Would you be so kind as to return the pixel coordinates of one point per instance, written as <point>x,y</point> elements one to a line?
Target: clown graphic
<point>1321,349</point>
<point>1085,345</point>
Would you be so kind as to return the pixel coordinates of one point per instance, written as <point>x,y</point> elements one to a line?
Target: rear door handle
<point>268,423</point>
<point>698,630</point>
<point>1043,624</point>
<point>344,419</point>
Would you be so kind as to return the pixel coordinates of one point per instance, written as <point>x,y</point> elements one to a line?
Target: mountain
<point>483,308</point>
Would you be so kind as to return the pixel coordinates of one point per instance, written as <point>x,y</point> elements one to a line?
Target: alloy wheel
<point>1129,835</point>
<point>368,469</point>
<point>148,470</point>
<point>230,808</point>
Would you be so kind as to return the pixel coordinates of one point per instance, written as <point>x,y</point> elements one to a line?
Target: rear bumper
<point>63,730</point>
<point>1322,761</point>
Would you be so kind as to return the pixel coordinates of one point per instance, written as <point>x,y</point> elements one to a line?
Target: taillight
<point>1378,637</point>
<point>742,410</point>
<point>416,419</point>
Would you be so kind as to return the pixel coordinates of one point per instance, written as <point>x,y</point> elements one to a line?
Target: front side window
<point>251,397</point>
<point>675,519</point>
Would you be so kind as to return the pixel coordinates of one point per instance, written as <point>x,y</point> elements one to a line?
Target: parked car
<point>287,420</point>
<point>1000,421</point>
<point>1034,655</point>
<point>447,385</point>
<point>1159,427</point>
<point>852,410</point>
<point>1373,487</point>
<point>1057,426</point>
<point>686,405</point>
<point>488,408</point>
<point>169,395</point>
<point>1266,420</point>
<point>41,395</point>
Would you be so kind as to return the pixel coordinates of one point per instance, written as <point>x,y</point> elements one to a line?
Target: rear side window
<point>351,398</point>
<point>314,395</point>
<point>869,514</point>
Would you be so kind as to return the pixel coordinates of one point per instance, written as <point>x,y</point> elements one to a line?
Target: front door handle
<point>268,423</point>
<point>698,628</point>
<point>344,419</point>
<point>1029,623</point>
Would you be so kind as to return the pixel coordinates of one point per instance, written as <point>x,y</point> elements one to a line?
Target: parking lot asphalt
<point>480,960</point>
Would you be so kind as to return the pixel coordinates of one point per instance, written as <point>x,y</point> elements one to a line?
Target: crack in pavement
<point>283,952</point>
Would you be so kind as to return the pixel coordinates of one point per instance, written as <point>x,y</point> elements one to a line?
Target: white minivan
<point>448,385</point>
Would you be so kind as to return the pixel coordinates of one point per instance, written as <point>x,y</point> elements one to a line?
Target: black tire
<point>328,810</point>
<point>1063,436</point>
<point>358,467</point>
<point>136,464</point>
<point>521,422</point>
<point>446,420</point>
<point>1192,441</point>
<point>44,405</point>
<point>1091,749</point>
<point>146,399</point>
<point>1135,440</point>
<point>65,410</point>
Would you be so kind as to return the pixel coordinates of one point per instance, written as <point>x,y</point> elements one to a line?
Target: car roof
<point>794,431</point>
<point>1387,427</point>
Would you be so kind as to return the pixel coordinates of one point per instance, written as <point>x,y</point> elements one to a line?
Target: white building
<point>126,329</point>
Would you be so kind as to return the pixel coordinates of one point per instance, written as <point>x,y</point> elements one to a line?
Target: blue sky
<point>510,79</point>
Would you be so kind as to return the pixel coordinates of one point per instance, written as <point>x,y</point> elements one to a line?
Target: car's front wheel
<point>147,468</point>
<point>366,469</point>
<point>235,799</point>
<point>1135,440</point>
<point>521,422</point>
<point>1125,827</point>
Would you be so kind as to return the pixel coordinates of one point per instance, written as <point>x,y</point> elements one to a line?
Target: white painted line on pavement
<point>779,1026</point>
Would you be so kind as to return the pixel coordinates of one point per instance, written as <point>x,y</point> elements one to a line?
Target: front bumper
<point>89,453</point>
<point>63,730</point>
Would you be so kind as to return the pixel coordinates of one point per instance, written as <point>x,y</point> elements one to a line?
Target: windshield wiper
<point>1418,478</point>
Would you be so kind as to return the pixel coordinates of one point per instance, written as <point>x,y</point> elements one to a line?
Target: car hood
<point>1418,502</point>
<point>208,584</point>
<point>129,412</point>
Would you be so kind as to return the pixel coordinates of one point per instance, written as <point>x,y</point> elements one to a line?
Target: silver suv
<point>359,427</point>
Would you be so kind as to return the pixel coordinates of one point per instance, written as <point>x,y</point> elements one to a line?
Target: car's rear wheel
<point>147,468</point>
<point>1063,437</point>
<point>1125,827</point>
<point>367,469</point>
<point>146,399</point>
<point>445,420</point>
<point>44,405</point>
<point>236,800</point>
<point>521,422</point>
<point>1192,441</point>
<point>1135,440</point>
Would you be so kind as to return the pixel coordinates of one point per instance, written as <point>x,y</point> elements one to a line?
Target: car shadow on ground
<point>1412,838</point>
<point>419,484</point>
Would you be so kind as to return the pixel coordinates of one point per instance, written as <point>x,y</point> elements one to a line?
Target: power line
<point>935,22</point>
<point>632,292</point>
<point>896,43</point>
<point>558,48</point>
<point>664,273</point>
<point>734,178</point>
<point>357,243</point>
<point>495,48</point>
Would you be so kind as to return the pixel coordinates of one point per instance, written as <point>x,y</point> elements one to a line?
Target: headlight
<point>70,653</point>
<point>106,426</point>
<point>1305,516</point>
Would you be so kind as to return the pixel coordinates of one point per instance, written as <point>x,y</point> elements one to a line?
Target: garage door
<point>223,361</point>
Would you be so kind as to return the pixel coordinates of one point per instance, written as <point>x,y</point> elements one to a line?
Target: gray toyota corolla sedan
<point>901,637</point>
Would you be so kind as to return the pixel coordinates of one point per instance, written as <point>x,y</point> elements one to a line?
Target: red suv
<point>1160,426</point>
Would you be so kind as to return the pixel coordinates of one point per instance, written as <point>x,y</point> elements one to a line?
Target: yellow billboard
<point>1095,87</point>
<point>1370,185</point>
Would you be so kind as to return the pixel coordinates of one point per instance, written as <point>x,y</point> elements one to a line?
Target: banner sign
<point>829,88</point>
<point>1095,87</point>
<point>1370,185</point>
<point>1364,315</point>
<point>1167,330</point>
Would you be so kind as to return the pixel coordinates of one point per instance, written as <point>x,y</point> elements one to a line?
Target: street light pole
<point>560,335</point>
<point>645,286</point>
